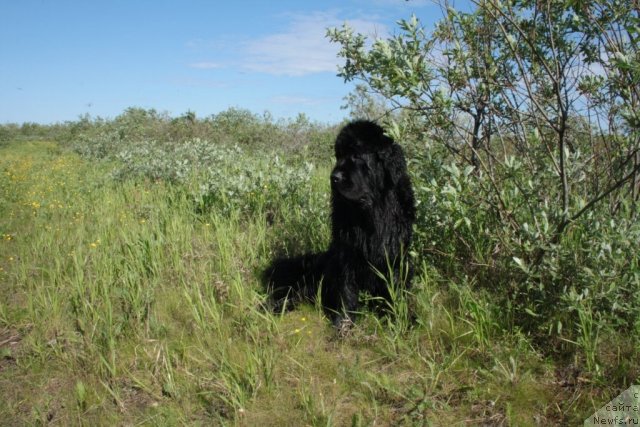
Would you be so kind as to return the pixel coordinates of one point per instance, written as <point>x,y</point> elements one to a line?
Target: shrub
<point>527,162</point>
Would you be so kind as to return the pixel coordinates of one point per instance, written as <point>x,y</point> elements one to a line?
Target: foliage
<point>229,172</point>
<point>219,177</point>
<point>99,138</point>
<point>119,304</point>
<point>29,131</point>
<point>523,122</point>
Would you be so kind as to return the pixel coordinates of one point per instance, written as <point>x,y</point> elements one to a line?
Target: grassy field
<point>123,304</point>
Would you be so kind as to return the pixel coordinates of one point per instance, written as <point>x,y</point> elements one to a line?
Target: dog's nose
<point>337,177</point>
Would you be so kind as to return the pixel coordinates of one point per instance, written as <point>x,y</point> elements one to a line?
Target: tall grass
<point>122,301</point>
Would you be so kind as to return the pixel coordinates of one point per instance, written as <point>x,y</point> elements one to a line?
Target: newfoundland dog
<point>372,215</point>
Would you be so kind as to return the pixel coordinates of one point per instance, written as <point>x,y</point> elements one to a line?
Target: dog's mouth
<point>348,194</point>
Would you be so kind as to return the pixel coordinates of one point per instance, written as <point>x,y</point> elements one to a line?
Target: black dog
<point>373,212</point>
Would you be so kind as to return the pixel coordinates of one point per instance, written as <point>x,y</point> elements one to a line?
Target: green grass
<point>120,305</point>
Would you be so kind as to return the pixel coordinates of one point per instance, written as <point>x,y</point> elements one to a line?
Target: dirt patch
<point>9,345</point>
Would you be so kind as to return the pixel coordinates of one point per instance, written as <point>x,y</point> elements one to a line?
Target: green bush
<point>526,163</point>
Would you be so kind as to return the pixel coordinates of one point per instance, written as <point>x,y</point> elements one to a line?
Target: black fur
<point>373,212</point>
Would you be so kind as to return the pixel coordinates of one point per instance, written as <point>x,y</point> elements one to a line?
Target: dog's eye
<point>365,163</point>
<point>360,163</point>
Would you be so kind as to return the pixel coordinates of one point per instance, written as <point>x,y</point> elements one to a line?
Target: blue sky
<point>60,59</point>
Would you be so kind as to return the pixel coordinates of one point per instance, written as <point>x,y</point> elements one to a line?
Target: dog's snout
<point>337,177</point>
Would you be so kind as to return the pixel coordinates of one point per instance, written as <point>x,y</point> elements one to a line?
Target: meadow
<point>130,295</point>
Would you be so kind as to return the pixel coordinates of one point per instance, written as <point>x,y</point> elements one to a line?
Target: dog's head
<point>367,163</point>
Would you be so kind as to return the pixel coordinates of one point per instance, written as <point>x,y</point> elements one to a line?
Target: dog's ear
<point>397,179</point>
<point>392,159</point>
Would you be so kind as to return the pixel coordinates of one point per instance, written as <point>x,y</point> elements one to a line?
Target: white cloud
<point>303,48</point>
